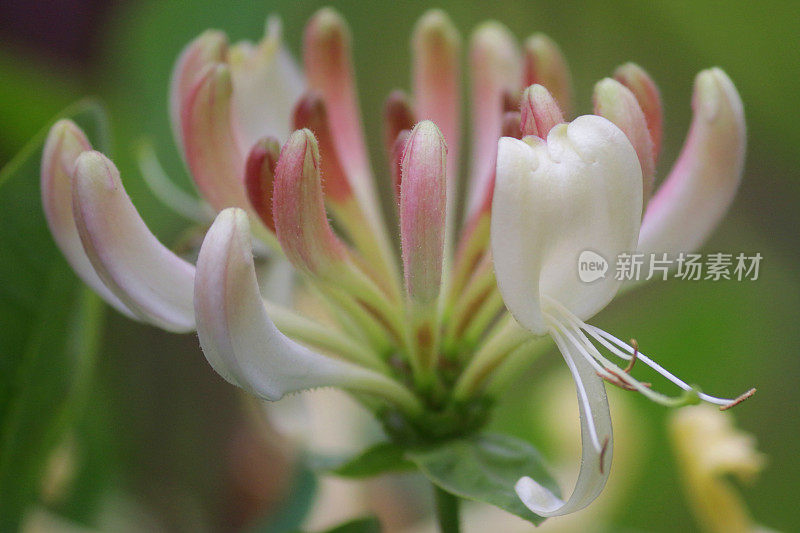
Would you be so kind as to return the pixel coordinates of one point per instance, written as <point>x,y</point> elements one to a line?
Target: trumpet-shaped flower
<point>420,333</point>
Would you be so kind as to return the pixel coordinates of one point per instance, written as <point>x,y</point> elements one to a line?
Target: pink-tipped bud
<point>646,91</point>
<point>210,47</point>
<point>545,65</point>
<point>495,69</point>
<point>436,46</point>
<point>423,201</point>
<point>310,113</point>
<point>210,140</point>
<point>539,112</point>
<point>329,69</point>
<point>396,161</point>
<point>618,104</point>
<point>704,180</point>
<point>301,222</point>
<point>512,124</point>
<point>398,115</point>
<point>259,175</point>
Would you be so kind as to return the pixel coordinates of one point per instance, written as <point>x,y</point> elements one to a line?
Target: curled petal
<point>580,190</point>
<point>539,112</point>
<point>618,104</point>
<point>644,88</point>
<point>495,68</point>
<point>242,343</point>
<point>301,222</point>
<point>147,277</point>
<point>596,440</point>
<point>259,176</point>
<point>266,84</point>
<point>65,142</point>
<point>545,65</point>
<point>210,47</point>
<point>702,184</point>
<point>422,211</point>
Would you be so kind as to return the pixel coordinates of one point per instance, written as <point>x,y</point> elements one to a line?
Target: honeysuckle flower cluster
<point>421,333</point>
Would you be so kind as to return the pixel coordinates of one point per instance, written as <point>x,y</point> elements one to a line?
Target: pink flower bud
<point>301,222</point>
<point>422,211</point>
<point>539,112</point>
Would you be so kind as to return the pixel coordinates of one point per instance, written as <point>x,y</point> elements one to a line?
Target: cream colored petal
<point>150,279</point>
<point>65,142</point>
<point>703,183</point>
<point>580,190</point>
<point>243,344</point>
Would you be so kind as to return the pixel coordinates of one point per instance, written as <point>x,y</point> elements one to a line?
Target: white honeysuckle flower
<point>581,189</point>
<point>419,332</point>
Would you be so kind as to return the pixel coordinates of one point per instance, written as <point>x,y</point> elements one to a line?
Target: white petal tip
<point>537,498</point>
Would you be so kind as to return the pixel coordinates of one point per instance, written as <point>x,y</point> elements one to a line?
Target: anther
<point>635,353</point>
<point>738,400</point>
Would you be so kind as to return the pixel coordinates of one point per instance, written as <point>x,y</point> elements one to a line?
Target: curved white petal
<point>243,344</point>
<point>597,444</point>
<point>150,279</point>
<point>65,142</point>
<point>702,184</point>
<point>580,190</point>
<point>266,84</point>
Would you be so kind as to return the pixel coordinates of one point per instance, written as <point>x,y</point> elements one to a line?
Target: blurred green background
<point>159,424</point>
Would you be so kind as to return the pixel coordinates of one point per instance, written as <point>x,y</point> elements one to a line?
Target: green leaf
<point>368,524</point>
<point>485,468</point>
<point>378,459</point>
<point>359,525</point>
<point>51,325</point>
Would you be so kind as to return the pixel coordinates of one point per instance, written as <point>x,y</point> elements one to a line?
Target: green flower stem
<point>447,511</point>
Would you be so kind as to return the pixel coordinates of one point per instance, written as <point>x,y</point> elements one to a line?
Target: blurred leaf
<point>485,468</point>
<point>51,325</point>
<point>378,459</point>
<point>296,506</point>
<point>359,525</point>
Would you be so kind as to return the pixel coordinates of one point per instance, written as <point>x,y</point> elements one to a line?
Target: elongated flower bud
<point>326,53</point>
<point>704,180</point>
<point>545,65</point>
<point>437,47</point>
<point>259,177</point>
<point>422,211</point>
<point>301,222</point>
<point>496,71</point>
<point>618,104</point>
<point>209,48</point>
<point>310,112</point>
<point>211,144</point>
<point>644,88</point>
